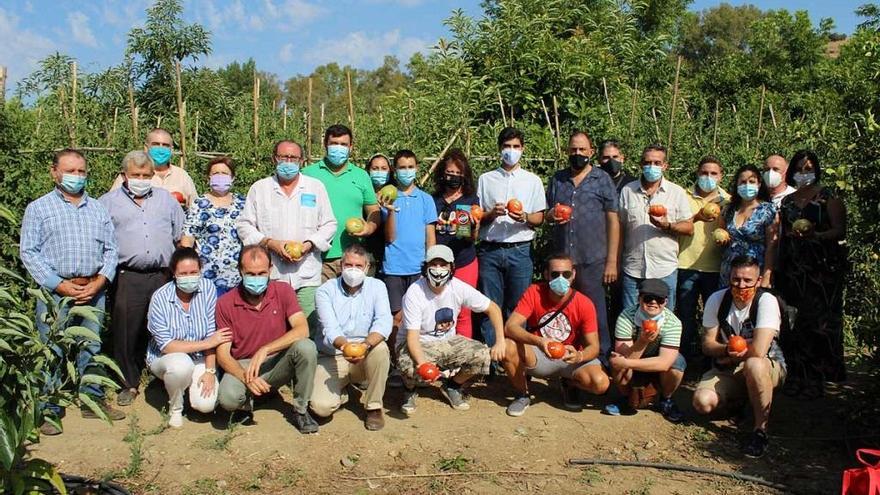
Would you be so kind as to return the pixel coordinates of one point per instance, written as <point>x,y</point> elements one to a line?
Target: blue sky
<point>286,37</point>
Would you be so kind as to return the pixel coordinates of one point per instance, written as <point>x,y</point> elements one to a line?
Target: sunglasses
<point>650,298</point>
<point>565,274</point>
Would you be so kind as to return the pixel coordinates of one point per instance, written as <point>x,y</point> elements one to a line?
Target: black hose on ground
<point>76,483</point>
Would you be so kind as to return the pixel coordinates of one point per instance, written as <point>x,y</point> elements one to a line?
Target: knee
<point>204,405</point>
<point>511,353</point>
<point>304,350</point>
<point>231,396</point>
<point>593,381</point>
<point>380,357</point>
<point>705,401</point>
<point>323,407</point>
<point>178,367</point>
<point>756,367</point>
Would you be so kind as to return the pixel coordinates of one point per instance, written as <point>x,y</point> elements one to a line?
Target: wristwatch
<point>212,371</point>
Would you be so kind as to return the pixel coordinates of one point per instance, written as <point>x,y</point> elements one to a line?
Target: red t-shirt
<point>569,327</point>
<point>251,327</point>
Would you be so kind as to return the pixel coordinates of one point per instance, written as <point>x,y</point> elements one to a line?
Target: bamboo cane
<point>501,105</point>
<point>607,101</point>
<point>256,104</point>
<point>196,137</point>
<point>131,111</point>
<point>772,115</point>
<point>858,132</point>
<point>350,101</point>
<point>73,87</point>
<point>632,111</point>
<point>556,117</point>
<point>656,124</point>
<point>309,121</point>
<point>547,117</point>
<point>760,121</point>
<point>284,117</point>
<point>2,84</point>
<point>181,118</point>
<point>437,161</point>
<point>672,109</point>
<point>113,129</point>
<point>715,128</point>
<point>65,112</point>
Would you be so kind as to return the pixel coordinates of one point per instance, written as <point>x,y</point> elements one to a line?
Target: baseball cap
<point>654,287</point>
<point>439,251</point>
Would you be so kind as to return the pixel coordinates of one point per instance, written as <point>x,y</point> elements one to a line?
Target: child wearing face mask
<point>381,174</point>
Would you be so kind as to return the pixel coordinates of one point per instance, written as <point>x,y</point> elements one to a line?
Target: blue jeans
<point>589,281</point>
<point>693,285</point>
<point>85,356</point>
<point>505,274</point>
<point>631,290</point>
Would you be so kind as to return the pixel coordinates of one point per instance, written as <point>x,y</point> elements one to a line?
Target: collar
<point>131,195</point>
<point>276,186</point>
<point>343,170</point>
<point>695,193</point>
<point>591,175</point>
<point>173,297</point>
<point>513,171</point>
<point>267,297</point>
<point>661,187</point>
<point>341,285</point>
<point>83,200</point>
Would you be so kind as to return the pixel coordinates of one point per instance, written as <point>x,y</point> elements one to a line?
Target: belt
<point>505,244</point>
<point>126,268</point>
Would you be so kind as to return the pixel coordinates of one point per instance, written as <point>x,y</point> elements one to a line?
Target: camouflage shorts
<point>470,356</point>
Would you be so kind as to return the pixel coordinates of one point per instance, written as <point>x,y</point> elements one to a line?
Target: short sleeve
<point>412,306</point>
<point>537,199</point>
<point>289,302</point>
<point>710,311</point>
<point>222,317</point>
<point>768,312</point>
<point>369,193</point>
<point>623,330</point>
<point>429,209</point>
<point>610,198</point>
<point>472,298</point>
<point>682,206</point>
<point>671,331</point>
<point>526,304</point>
<point>587,313</point>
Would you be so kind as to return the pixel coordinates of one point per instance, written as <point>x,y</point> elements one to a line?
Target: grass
<point>459,463</point>
<point>591,476</point>
<point>219,441</point>
<point>203,486</point>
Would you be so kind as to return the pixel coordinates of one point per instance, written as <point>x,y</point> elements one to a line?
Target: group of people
<point>334,279</point>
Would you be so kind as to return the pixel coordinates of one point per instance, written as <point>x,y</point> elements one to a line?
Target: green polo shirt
<point>349,190</point>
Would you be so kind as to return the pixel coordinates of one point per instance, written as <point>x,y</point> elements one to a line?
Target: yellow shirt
<point>699,251</point>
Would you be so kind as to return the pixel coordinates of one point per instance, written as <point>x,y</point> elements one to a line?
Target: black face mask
<point>453,181</point>
<point>578,162</point>
<point>612,166</point>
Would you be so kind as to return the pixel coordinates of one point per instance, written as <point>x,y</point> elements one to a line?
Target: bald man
<point>160,146</point>
<point>775,167</point>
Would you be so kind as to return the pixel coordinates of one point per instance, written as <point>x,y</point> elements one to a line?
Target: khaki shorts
<point>731,383</point>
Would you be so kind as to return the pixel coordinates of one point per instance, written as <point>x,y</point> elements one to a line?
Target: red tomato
<point>556,350</point>
<point>737,344</point>
<point>562,212</point>
<point>429,371</point>
<point>515,206</point>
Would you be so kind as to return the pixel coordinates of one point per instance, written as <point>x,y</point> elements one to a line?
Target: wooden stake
<point>322,118</point>
<point>39,121</point>
<point>309,121</point>
<point>547,117</point>
<point>715,129</point>
<point>73,90</point>
<point>772,115</point>
<point>556,118</point>
<point>137,117</point>
<point>350,101</point>
<point>632,112</point>
<point>181,118</point>
<point>858,132</point>
<point>2,84</point>
<point>656,124</point>
<point>196,137</point>
<point>501,105</point>
<point>607,101</point>
<point>672,109</point>
<point>439,157</point>
<point>62,98</point>
<point>256,98</point>
<point>760,121</point>
<point>512,119</point>
<point>113,129</point>
<point>159,121</point>
<point>284,117</point>
<point>131,111</point>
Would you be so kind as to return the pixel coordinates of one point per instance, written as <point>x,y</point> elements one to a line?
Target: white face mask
<point>439,276</point>
<point>353,276</point>
<point>772,178</point>
<point>140,187</point>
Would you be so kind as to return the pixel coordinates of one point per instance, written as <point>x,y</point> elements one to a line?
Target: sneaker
<point>375,420</point>
<point>126,397</point>
<point>304,422</point>
<point>571,397</point>
<point>757,444</point>
<point>455,397</point>
<point>670,410</point>
<point>622,408</point>
<point>49,429</point>
<point>113,414</point>
<point>176,419</point>
<point>409,402</point>
<point>519,405</point>
<point>394,379</point>
<point>242,417</point>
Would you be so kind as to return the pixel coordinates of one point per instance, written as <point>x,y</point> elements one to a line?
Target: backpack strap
<point>723,311</point>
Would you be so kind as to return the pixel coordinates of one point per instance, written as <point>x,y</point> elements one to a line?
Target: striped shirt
<point>167,320</point>
<point>629,327</point>
<point>60,240</point>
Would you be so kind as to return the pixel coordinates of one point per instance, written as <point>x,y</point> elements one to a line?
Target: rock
<point>393,453</point>
<point>347,462</point>
<point>221,484</point>
<point>521,431</point>
<point>382,473</point>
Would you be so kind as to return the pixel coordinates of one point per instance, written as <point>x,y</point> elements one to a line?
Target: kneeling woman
<point>183,336</point>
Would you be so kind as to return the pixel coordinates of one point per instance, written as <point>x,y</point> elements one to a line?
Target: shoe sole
<point>516,414</point>
<point>464,406</point>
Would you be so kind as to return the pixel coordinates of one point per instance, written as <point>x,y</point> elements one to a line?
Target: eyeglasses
<point>650,298</point>
<point>289,158</point>
<point>564,274</point>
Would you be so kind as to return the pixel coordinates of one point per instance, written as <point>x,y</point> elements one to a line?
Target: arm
<point>177,221</point>
<point>247,225</point>
<point>299,329</point>
<point>111,253</point>
<point>494,313</point>
<point>535,219</point>
<point>31,257</point>
<point>515,330</point>
<point>414,346</point>
<point>190,228</point>
<point>326,223</point>
<point>771,241</point>
<point>228,363</point>
<point>373,216</point>
<point>380,328</point>
<point>430,238</point>
<point>612,224</point>
<point>327,316</point>
<point>711,346</point>
<point>588,353</point>
<point>390,225</point>
<point>837,216</point>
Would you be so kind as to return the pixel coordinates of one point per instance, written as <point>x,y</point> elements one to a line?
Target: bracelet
<point>212,371</point>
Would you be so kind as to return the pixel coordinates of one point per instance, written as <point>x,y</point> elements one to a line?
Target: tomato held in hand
<point>429,372</point>
<point>657,210</point>
<point>556,350</point>
<point>515,206</point>
<point>737,344</point>
<point>561,212</point>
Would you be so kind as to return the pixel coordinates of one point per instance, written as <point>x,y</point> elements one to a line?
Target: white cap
<point>440,251</point>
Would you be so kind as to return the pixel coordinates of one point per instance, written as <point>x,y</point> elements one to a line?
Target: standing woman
<point>380,169</point>
<point>210,226</point>
<point>454,195</point>
<point>812,272</point>
<point>183,336</point>
<point>752,223</point>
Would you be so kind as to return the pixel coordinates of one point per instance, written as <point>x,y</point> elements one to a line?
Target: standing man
<point>775,169</point>
<point>591,233</point>
<point>68,248</point>
<point>354,314</point>
<point>270,344</point>
<point>514,202</point>
<point>288,211</point>
<point>172,178</point>
<point>650,247</point>
<point>148,222</point>
<point>611,161</point>
<point>352,195</point>
<point>699,256</point>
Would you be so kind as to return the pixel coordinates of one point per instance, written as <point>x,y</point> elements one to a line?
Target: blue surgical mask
<point>706,184</point>
<point>337,154</point>
<point>188,284</point>
<point>160,155</point>
<point>72,183</point>
<point>287,170</point>
<point>747,191</point>
<point>652,173</point>
<point>379,177</point>
<point>510,156</point>
<point>405,177</point>
<point>560,285</point>
<point>256,285</point>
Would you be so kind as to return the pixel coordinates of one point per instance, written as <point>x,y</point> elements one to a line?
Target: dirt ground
<point>444,451</point>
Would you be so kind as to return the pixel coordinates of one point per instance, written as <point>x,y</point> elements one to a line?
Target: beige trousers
<point>334,373</point>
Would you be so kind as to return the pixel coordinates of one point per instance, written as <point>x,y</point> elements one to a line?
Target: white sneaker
<point>176,419</point>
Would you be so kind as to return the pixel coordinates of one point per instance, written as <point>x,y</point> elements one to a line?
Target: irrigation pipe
<point>679,467</point>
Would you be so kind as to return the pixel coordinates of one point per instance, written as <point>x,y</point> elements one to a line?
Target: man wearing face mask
<point>548,312</point>
<point>745,311</point>
<point>650,248</point>
<point>514,201</point>
<point>68,247</point>
<point>355,316</point>
<point>775,171</point>
<point>159,145</point>
<point>290,215</point>
<point>270,344</point>
<point>351,195</point>
<point>148,223</point>
<point>611,161</point>
<point>590,234</point>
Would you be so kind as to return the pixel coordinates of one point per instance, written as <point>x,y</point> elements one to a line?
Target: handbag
<point>863,480</point>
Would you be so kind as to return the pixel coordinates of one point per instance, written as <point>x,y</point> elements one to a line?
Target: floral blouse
<point>749,239</point>
<point>217,240</point>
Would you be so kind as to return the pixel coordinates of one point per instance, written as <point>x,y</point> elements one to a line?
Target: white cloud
<point>286,53</point>
<point>20,48</point>
<point>80,30</point>
<point>362,49</point>
<point>298,12</point>
<point>402,3</point>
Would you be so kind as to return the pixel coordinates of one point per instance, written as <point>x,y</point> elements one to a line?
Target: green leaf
<point>39,294</point>
<point>38,469</point>
<point>108,363</point>
<point>93,406</point>
<point>9,441</point>
<point>82,332</point>
<point>86,312</point>
<point>98,380</point>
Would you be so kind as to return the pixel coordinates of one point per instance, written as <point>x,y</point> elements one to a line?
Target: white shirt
<point>768,317</point>
<point>173,179</point>
<point>434,315</point>
<point>777,198</point>
<point>500,186</point>
<point>649,252</point>
<point>305,215</point>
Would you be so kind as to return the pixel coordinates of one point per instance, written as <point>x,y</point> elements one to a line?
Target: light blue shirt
<point>353,316</point>
<point>167,320</point>
<point>405,255</point>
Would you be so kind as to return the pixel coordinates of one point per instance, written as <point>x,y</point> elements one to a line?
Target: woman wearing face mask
<point>380,169</point>
<point>183,336</point>
<point>752,223</point>
<point>454,195</point>
<point>811,276</point>
<point>210,226</point>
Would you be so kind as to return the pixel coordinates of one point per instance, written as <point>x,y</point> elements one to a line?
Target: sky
<point>286,37</point>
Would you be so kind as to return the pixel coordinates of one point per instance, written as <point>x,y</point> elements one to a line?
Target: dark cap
<point>654,287</point>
